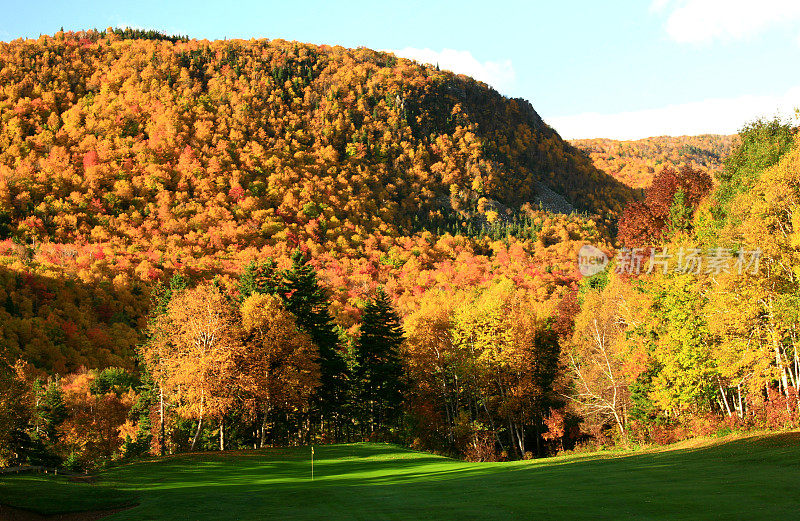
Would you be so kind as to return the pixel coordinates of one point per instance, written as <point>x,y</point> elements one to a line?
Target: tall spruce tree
<point>304,297</point>
<point>51,409</point>
<point>379,370</point>
<point>259,277</point>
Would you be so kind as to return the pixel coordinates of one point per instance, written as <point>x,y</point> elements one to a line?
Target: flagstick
<point>312,463</point>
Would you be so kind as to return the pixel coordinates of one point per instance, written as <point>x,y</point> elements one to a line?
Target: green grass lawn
<point>751,478</point>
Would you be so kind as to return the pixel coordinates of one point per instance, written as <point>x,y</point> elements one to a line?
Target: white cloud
<point>702,21</point>
<point>498,74</point>
<point>659,5</point>
<point>711,116</point>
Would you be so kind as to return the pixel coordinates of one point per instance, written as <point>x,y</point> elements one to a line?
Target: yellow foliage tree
<point>193,357</point>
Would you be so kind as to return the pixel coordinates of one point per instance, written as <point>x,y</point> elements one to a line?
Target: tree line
<point>710,346</point>
<point>266,359</point>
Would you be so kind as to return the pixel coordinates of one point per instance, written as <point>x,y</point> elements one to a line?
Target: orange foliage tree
<point>279,369</point>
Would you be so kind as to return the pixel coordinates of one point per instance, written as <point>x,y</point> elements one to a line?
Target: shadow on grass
<point>56,495</point>
<point>751,478</point>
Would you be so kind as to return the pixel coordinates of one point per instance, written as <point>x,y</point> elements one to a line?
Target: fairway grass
<point>748,478</point>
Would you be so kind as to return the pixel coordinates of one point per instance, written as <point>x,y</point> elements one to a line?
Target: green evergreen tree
<point>51,411</point>
<point>147,397</point>
<point>304,298</point>
<point>379,370</point>
<point>259,277</point>
<point>163,293</point>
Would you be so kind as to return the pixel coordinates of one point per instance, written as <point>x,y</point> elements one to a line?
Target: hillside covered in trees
<point>636,163</point>
<point>236,244</point>
<point>135,167</point>
<point>127,156</point>
<point>211,144</point>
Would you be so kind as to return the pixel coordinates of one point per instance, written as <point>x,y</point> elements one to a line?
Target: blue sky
<point>621,69</point>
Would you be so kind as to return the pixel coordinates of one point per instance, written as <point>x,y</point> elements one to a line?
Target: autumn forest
<point>236,244</point>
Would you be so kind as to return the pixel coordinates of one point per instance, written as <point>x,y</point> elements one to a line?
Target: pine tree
<point>163,293</point>
<point>259,277</point>
<point>378,367</point>
<point>51,411</point>
<point>304,298</point>
<point>148,396</point>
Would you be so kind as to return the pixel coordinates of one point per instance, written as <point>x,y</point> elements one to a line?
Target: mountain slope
<point>124,160</point>
<point>636,163</point>
<point>259,142</point>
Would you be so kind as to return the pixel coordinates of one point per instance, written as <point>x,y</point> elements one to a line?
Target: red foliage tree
<point>646,223</point>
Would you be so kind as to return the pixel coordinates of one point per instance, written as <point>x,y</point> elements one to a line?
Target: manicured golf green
<point>750,478</point>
